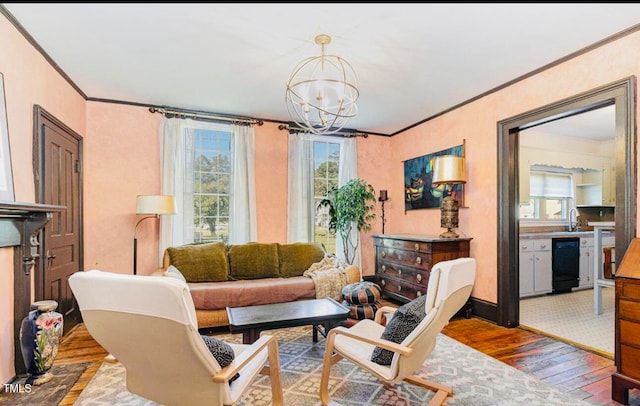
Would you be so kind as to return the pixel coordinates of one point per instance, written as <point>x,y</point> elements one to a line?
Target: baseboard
<point>484,310</point>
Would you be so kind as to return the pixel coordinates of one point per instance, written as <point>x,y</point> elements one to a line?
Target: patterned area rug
<point>476,379</point>
<point>47,394</point>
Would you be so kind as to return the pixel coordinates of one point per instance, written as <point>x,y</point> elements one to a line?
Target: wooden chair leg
<point>329,360</point>
<point>442,391</point>
<point>274,374</point>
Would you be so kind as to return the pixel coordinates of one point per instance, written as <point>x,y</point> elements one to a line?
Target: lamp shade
<point>448,169</point>
<point>155,204</point>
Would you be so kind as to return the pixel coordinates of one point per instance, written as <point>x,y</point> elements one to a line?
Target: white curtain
<point>242,211</point>
<point>301,210</point>
<point>176,137</point>
<point>348,169</point>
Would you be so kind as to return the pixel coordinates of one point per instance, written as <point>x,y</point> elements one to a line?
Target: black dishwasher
<point>565,264</point>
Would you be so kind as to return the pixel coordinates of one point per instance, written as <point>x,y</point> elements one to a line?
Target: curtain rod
<point>347,134</point>
<point>170,113</point>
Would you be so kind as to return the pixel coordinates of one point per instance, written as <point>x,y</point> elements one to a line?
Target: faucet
<point>573,225</point>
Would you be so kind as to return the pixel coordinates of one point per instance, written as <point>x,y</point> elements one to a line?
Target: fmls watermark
<point>17,387</point>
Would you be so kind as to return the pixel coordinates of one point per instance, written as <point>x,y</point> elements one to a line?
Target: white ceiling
<point>413,61</point>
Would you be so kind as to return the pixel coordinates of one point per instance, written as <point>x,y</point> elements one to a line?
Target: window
<point>207,185</point>
<point>326,160</point>
<point>551,195</point>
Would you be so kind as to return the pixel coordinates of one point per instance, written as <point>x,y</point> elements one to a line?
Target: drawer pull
<point>384,268</point>
<point>382,282</point>
<point>418,293</point>
<point>418,277</point>
<point>399,272</point>
<point>524,247</point>
<point>384,254</point>
<point>543,246</point>
<point>399,288</point>
<point>418,260</point>
<point>416,247</point>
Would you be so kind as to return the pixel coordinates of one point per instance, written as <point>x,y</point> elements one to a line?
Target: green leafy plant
<point>350,207</point>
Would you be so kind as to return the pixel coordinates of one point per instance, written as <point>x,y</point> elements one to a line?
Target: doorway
<point>57,157</point>
<point>566,182</point>
<point>621,94</point>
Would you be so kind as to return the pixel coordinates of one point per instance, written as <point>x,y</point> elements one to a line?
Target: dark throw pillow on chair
<point>221,351</point>
<point>404,320</point>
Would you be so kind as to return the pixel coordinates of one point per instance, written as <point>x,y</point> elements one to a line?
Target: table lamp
<point>449,170</point>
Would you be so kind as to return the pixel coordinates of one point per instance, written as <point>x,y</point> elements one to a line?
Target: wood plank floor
<point>567,367</point>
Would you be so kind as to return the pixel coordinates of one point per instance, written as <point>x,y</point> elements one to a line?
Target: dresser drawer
<point>399,287</point>
<point>629,290</point>
<point>629,310</point>
<point>423,246</point>
<point>630,361</point>
<point>407,258</point>
<point>629,331</point>
<point>412,275</point>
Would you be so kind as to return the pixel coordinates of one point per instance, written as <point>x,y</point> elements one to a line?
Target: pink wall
<point>28,80</point>
<point>122,160</point>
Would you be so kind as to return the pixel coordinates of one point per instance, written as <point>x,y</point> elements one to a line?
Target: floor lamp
<point>152,206</point>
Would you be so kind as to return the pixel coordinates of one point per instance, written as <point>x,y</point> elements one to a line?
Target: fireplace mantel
<point>20,224</point>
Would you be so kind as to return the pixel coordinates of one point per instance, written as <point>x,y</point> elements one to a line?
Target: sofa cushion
<point>220,295</point>
<point>253,261</point>
<point>201,262</point>
<point>297,257</point>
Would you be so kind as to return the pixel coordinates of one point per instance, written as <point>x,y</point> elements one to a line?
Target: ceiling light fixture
<point>322,92</point>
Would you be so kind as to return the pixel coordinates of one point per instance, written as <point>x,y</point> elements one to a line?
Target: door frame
<point>622,94</point>
<point>39,114</point>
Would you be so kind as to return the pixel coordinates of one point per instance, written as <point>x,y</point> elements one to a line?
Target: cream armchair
<point>450,285</point>
<point>149,324</point>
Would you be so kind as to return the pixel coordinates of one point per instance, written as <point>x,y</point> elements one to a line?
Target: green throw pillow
<point>297,257</point>
<point>253,261</point>
<point>201,262</point>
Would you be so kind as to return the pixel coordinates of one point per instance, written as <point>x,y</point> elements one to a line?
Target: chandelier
<point>322,92</point>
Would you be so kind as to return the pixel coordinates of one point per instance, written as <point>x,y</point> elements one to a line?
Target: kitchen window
<point>550,197</point>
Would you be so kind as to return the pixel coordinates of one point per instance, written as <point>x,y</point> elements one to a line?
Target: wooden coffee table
<point>251,320</point>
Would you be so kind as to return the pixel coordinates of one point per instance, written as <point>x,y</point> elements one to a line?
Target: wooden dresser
<point>627,280</point>
<point>404,261</point>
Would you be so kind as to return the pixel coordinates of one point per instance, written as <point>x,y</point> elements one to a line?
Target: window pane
<point>326,158</point>
<point>210,153</point>
<point>554,209</point>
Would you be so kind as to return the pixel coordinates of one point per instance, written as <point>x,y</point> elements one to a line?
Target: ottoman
<point>362,299</point>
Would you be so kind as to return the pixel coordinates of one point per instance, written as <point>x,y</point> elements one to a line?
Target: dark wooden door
<point>58,181</point>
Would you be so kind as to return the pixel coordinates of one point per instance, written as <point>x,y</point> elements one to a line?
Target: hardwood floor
<point>567,367</point>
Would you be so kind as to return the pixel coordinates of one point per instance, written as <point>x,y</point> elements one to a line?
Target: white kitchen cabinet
<point>535,267</point>
<point>609,183</point>
<point>586,262</point>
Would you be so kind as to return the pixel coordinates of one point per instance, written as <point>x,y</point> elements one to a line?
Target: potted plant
<point>350,208</point>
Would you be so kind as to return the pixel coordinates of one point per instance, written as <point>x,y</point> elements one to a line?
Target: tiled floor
<point>570,317</point>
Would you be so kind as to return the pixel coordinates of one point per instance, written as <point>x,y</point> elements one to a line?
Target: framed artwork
<point>6,174</point>
<point>419,193</point>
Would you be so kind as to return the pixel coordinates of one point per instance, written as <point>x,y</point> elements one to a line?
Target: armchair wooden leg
<point>274,374</point>
<point>442,391</point>
<point>329,360</point>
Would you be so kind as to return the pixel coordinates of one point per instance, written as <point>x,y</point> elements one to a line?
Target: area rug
<point>476,379</point>
<point>47,394</point>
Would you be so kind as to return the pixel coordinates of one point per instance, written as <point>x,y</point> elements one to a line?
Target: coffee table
<point>251,320</point>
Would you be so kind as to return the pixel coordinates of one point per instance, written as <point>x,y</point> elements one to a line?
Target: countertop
<point>563,234</point>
